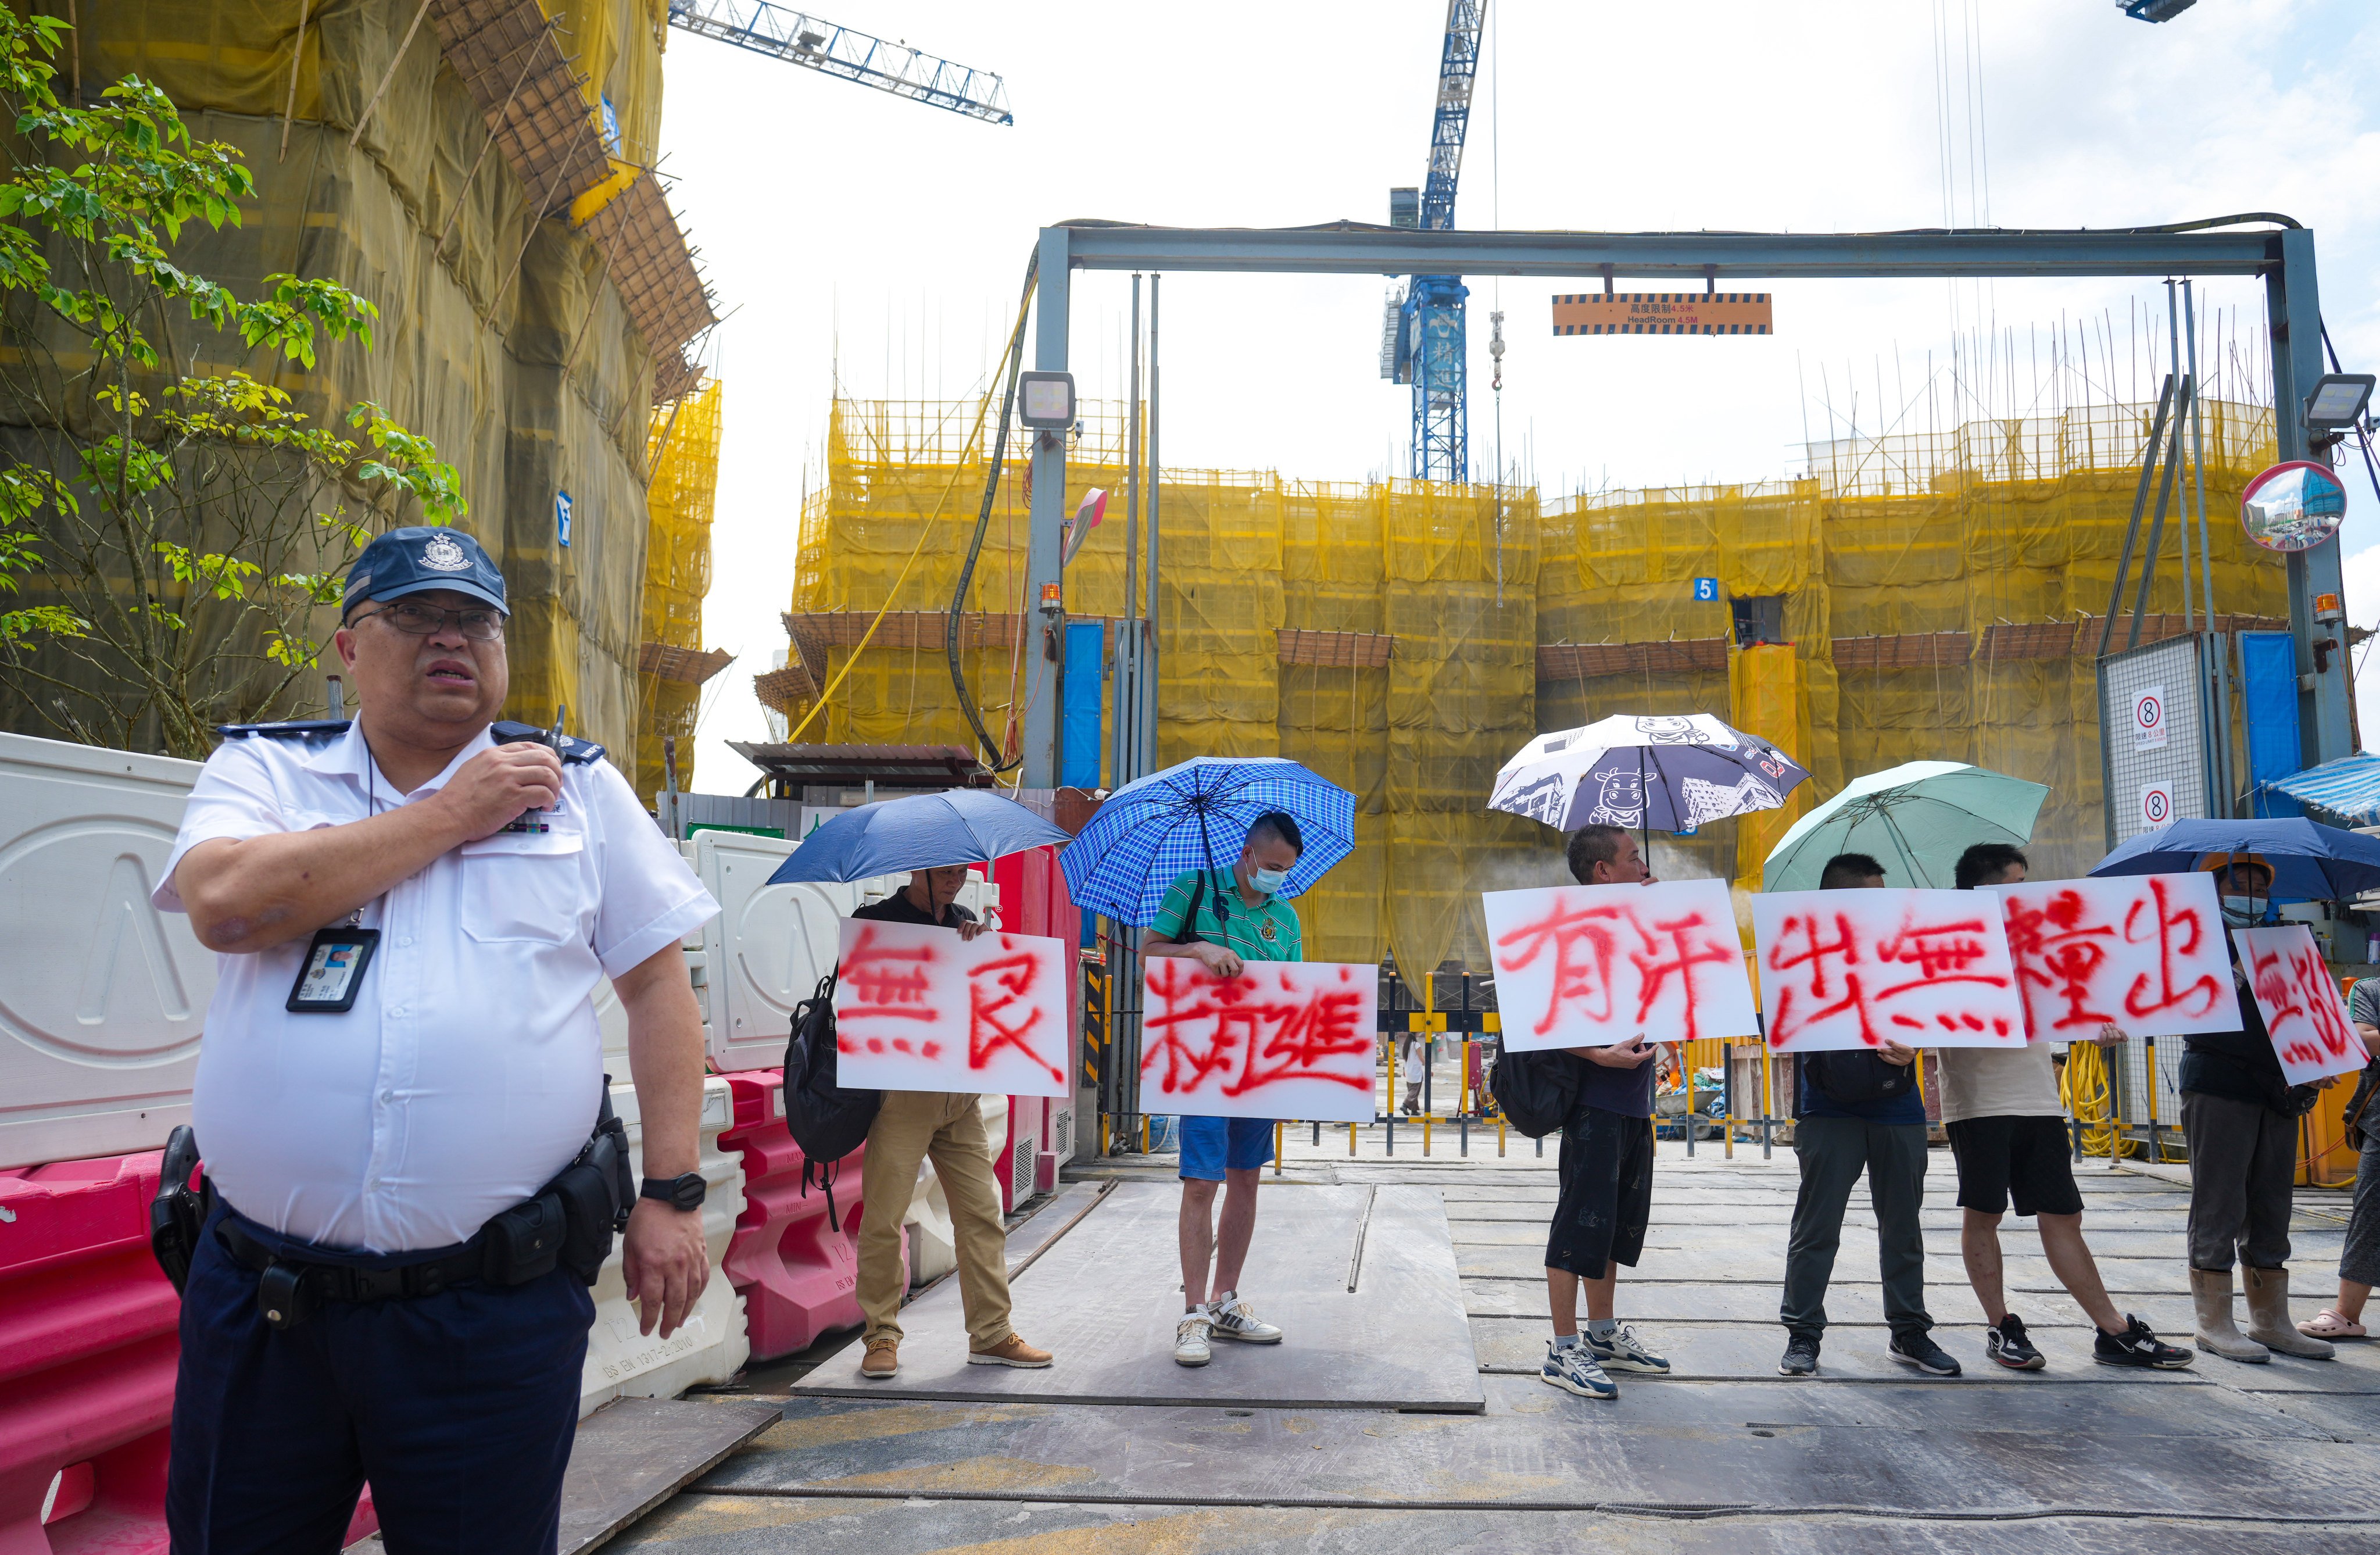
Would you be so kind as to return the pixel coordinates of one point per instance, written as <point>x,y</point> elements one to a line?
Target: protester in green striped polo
<point>1223,918</point>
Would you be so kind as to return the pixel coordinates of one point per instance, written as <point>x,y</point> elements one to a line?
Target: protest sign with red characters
<point>1284,1039</point>
<point>1589,966</point>
<point>2144,953</point>
<point>2299,999</point>
<point>1848,969</point>
<point>916,1008</point>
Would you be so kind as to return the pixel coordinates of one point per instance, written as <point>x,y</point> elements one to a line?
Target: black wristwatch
<point>679,1193</point>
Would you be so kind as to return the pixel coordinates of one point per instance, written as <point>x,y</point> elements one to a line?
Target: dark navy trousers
<point>459,1408</point>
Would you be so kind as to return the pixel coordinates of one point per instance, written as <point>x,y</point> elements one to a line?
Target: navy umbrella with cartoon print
<point>1644,772</point>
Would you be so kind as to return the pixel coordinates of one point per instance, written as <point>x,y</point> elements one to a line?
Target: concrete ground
<point>1724,1455</point>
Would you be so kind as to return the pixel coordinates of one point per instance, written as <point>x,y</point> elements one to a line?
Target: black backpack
<point>1535,1091</point>
<point>825,1120</point>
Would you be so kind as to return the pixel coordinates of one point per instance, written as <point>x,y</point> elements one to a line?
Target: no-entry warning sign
<point>2148,721</point>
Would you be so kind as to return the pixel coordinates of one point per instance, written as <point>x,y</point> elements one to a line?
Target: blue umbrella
<point>1196,816</point>
<point>922,831</point>
<point>2311,862</point>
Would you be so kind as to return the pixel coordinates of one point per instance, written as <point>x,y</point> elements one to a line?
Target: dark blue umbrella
<point>2311,862</point>
<point>1196,816</point>
<point>922,831</point>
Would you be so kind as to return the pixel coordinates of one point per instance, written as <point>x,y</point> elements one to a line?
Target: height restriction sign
<point>2148,718</point>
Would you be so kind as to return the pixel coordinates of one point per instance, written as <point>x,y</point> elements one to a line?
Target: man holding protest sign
<point>1607,1175</point>
<point>2008,1136</point>
<point>1859,1111</point>
<point>947,1126</point>
<point>1223,920</point>
<point>2239,1115</point>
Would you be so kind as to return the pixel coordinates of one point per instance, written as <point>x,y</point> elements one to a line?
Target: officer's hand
<point>496,786</point>
<point>1216,959</point>
<point>664,1263</point>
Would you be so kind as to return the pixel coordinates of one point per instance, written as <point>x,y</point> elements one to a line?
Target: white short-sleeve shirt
<point>469,1069</point>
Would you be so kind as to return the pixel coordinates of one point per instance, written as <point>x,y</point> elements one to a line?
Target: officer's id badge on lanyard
<point>333,972</point>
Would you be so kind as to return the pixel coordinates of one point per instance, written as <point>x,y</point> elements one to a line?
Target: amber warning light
<point>1663,314</point>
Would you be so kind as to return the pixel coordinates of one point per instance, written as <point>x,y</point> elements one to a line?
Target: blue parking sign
<point>1707,589</point>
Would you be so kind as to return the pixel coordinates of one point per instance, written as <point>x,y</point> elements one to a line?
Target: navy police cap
<point>420,558</point>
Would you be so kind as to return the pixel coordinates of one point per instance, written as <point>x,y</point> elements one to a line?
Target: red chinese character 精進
<point>995,987</point>
<point>1676,946</point>
<point>888,984</point>
<point>1815,953</point>
<point>2178,932</point>
<point>1584,942</point>
<point>2054,947</point>
<point>1209,1026</point>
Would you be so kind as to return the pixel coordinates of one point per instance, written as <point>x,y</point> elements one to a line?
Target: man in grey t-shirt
<point>2008,1135</point>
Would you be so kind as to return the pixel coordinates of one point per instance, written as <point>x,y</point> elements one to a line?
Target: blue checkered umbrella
<point>1196,816</point>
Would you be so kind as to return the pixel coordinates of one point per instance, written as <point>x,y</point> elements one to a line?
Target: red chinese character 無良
<point>994,989</point>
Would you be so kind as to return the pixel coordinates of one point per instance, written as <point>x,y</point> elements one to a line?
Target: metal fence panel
<point>2153,733</point>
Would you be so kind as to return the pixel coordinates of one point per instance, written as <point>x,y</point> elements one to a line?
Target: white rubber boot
<point>2210,1289</point>
<point>2268,1316</point>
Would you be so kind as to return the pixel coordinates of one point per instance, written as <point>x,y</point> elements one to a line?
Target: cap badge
<point>443,554</point>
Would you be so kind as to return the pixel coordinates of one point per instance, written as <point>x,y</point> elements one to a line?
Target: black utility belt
<point>569,1225</point>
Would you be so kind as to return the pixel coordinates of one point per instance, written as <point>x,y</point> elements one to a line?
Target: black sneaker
<point>2008,1345</point>
<point>1919,1351</point>
<point>1800,1357</point>
<point>2137,1346</point>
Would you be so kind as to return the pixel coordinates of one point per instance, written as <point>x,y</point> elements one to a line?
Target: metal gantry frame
<point>2280,254</point>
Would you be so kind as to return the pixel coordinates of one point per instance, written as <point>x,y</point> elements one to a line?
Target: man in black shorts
<point>1607,1176</point>
<point>2007,1134</point>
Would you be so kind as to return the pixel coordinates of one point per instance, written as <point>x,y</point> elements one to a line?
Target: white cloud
<point>849,227</point>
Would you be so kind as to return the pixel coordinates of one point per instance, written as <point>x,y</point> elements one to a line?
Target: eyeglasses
<point>421,621</point>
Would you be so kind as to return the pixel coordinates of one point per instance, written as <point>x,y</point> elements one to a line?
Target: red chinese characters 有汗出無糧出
<point>1201,1027</point>
<point>1592,944</point>
<point>1918,957</point>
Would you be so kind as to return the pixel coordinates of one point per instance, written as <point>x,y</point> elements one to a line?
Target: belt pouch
<point>589,1216</point>
<point>524,1242</point>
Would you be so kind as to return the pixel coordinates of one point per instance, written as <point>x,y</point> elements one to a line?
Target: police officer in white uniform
<point>399,1091</point>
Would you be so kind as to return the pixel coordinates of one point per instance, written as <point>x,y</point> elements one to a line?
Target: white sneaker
<point>1233,1318</point>
<point>1190,1338</point>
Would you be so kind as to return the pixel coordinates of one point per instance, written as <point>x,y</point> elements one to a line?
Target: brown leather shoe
<point>882,1360</point>
<point>1011,1351</point>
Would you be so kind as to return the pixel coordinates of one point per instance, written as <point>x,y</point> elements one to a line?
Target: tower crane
<point>1426,324</point>
<point>782,33</point>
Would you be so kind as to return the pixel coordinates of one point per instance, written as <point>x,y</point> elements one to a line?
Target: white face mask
<point>1268,880</point>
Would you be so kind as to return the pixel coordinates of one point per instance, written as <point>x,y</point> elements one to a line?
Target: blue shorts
<point>1209,1145</point>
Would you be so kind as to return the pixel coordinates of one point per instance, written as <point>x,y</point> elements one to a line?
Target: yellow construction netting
<point>684,455</point>
<point>2015,522</point>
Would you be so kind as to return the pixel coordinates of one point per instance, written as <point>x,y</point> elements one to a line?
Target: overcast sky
<point>851,230</point>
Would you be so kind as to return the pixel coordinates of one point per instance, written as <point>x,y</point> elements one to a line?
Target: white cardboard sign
<point>1282,1040</point>
<point>1851,969</point>
<point>1590,965</point>
<point>2299,999</point>
<point>2141,951</point>
<point>916,1008</point>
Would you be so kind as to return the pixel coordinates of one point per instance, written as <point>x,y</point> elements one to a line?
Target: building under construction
<point>1911,597</point>
<point>482,170</point>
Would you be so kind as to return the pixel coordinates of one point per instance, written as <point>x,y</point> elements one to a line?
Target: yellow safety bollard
<point>1144,1134</point>
<point>1500,1134</point>
<point>1279,1128</point>
<point>1351,1139</point>
<point>1425,1134</point>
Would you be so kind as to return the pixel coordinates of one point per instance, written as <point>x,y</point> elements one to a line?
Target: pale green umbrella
<point>1914,818</point>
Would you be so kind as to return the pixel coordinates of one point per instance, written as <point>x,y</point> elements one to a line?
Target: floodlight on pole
<point>1045,401</point>
<point>2338,401</point>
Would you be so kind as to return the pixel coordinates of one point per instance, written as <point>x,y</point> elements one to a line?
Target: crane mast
<point>1430,346</point>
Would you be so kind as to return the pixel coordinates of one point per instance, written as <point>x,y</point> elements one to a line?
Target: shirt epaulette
<point>298,729</point>
<point>576,751</point>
